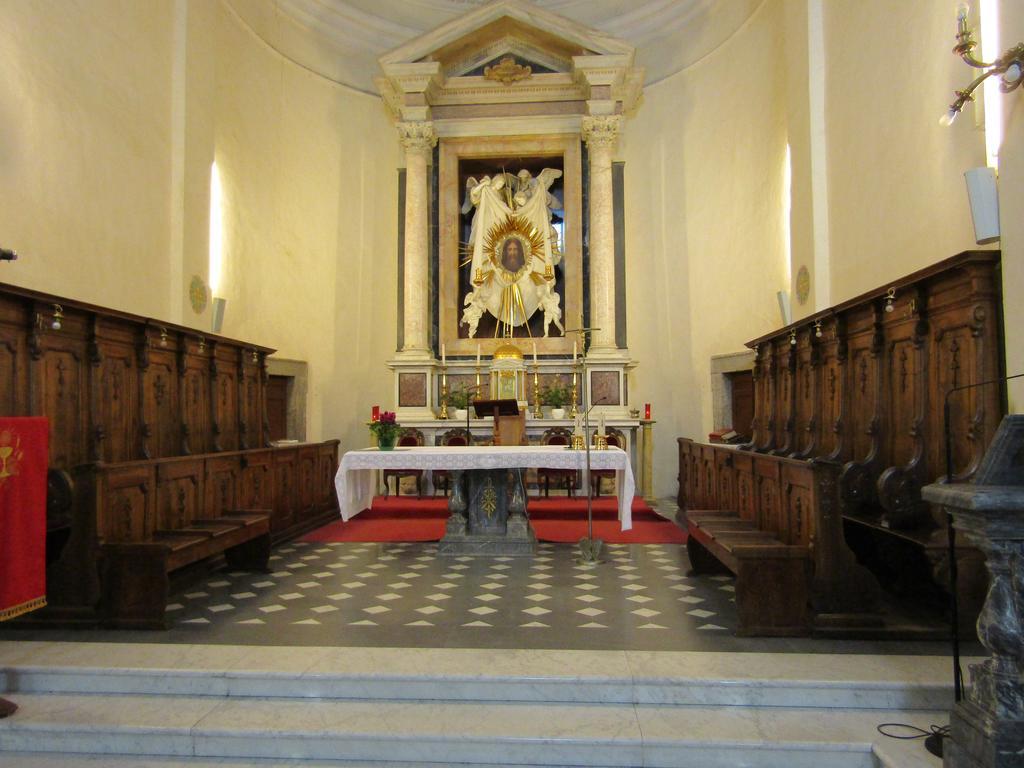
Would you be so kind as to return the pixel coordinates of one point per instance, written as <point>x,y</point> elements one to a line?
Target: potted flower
<point>556,395</point>
<point>386,430</point>
<point>459,400</point>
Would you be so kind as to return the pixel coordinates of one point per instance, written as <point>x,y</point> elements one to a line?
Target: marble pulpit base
<point>487,514</point>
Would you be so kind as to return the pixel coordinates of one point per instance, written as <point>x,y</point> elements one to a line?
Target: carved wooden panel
<point>309,473</point>
<point>798,501</point>
<point>725,477</point>
<point>964,351</point>
<point>709,483</point>
<point>14,322</point>
<point>328,470</point>
<point>769,501</point>
<point>831,393</point>
<point>161,412</point>
<point>746,499</point>
<point>250,400</point>
<point>194,369</point>
<point>115,391</point>
<point>807,392</point>
<point>902,409</point>
<point>257,481</point>
<point>225,366</point>
<point>861,385</point>
<point>125,504</point>
<point>59,387</point>
<point>180,494</point>
<point>767,397</point>
<point>223,474</point>
<point>286,490</point>
<point>785,416</point>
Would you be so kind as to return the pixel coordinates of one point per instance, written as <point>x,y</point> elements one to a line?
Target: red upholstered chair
<point>451,437</point>
<point>616,439</point>
<point>407,437</point>
<point>566,477</point>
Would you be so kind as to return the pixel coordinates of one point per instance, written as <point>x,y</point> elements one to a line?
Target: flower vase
<point>558,413</point>
<point>387,443</point>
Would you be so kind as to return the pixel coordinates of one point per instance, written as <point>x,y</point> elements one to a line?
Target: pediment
<point>505,22</point>
<point>510,52</point>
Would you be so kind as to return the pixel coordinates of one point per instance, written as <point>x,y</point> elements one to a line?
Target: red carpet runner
<point>559,519</point>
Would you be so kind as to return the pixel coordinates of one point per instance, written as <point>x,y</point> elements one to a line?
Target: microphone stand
<point>590,548</point>
<point>933,743</point>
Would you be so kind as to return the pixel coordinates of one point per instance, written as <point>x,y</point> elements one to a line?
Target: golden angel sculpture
<point>513,250</point>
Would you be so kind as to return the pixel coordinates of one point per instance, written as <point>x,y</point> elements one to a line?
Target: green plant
<point>386,429</point>
<point>462,397</point>
<point>557,395</point>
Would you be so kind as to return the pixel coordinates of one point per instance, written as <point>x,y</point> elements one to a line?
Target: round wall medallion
<point>803,285</point>
<point>198,294</point>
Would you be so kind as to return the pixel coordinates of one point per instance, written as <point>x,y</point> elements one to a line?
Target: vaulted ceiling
<point>342,39</point>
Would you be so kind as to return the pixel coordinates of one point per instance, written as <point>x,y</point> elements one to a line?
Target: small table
<point>356,479</point>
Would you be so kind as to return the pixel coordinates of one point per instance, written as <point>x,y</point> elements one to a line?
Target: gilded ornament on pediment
<point>507,71</point>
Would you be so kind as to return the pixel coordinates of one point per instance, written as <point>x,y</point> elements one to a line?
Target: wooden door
<point>277,406</point>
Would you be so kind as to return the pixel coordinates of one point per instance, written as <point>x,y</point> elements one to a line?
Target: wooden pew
<point>131,397</point>
<point>773,522</point>
<point>861,385</point>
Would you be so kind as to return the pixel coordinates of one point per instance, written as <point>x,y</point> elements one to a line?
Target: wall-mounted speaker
<point>984,197</point>
<point>218,313</point>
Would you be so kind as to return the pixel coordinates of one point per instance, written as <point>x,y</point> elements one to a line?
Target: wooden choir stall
<point>160,462</point>
<point>822,510</point>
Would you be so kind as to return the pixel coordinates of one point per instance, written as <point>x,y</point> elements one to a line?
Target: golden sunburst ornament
<point>510,246</point>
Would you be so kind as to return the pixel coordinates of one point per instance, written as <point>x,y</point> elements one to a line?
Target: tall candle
<point>375,413</point>
<point>535,354</point>
<point>477,355</point>
<point>444,359</point>
<point>600,423</point>
<point>574,351</point>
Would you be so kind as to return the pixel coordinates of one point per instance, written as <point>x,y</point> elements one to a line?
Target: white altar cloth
<point>356,478</point>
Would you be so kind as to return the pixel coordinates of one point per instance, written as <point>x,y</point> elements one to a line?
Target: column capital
<point>601,131</point>
<point>417,135</point>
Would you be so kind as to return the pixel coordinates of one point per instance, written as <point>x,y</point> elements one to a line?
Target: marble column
<point>601,134</point>
<point>418,139</point>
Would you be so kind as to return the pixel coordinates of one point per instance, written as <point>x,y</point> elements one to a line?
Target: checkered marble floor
<point>404,594</point>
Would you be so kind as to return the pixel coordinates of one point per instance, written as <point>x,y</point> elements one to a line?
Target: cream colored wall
<point>897,200</point>
<point>704,159</point>
<point>308,171</point>
<point>1011,206</point>
<point>84,149</point>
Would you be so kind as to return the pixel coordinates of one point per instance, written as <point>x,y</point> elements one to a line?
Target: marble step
<point>609,677</point>
<point>519,733</point>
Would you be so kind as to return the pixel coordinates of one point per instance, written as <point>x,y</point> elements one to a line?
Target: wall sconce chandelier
<point>890,297</point>
<point>1010,66</point>
<point>58,317</point>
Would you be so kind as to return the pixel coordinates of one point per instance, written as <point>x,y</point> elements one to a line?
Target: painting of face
<point>512,255</point>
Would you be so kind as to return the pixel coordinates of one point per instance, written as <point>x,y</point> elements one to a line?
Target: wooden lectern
<point>509,423</point>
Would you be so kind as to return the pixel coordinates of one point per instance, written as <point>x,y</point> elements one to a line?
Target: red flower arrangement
<point>386,429</point>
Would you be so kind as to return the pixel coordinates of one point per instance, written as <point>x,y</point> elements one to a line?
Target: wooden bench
<point>774,523</point>
<point>136,574</point>
<point>158,517</point>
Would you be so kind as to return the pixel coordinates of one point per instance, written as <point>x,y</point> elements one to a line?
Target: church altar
<point>356,480</point>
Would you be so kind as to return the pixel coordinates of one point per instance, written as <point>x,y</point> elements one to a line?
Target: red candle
<point>647,411</point>
<point>375,416</point>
